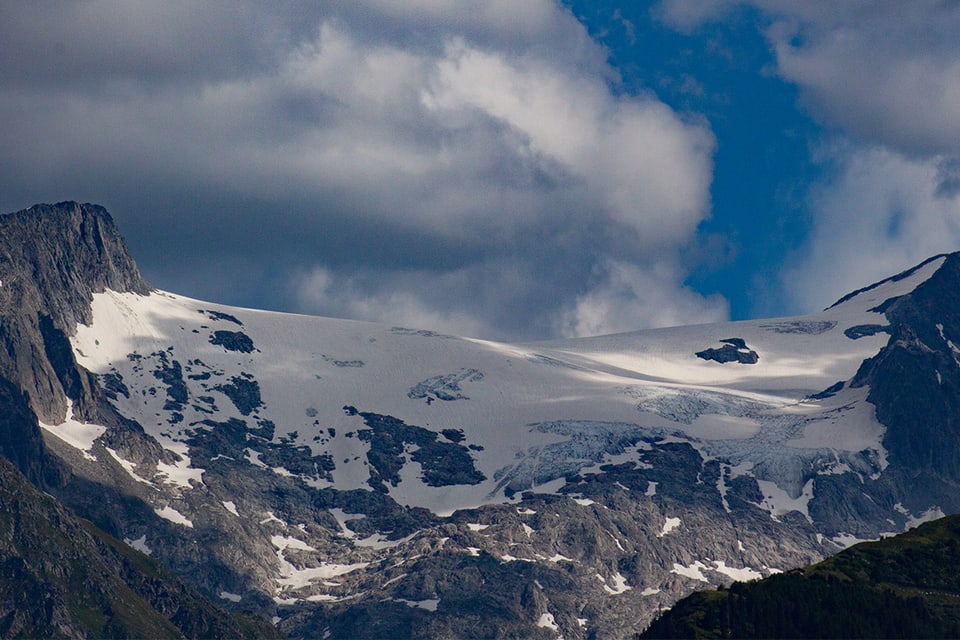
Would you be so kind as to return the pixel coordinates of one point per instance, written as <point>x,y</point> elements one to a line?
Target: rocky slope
<point>64,578</point>
<point>358,480</point>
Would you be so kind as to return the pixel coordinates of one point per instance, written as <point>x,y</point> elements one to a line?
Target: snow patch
<point>933,513</point>
<point>286,542</point>
<point>171,514</point>
<point>845,540</point>
<point>232,597</point>
<point>140,544</point>
<point>559,557</point>
<point>670,524</point>
<point>619,585</point>
<point>546,621</point>
<point>741,575</point>
<point>272,518</point>
<point>778,502</point>
<point>180,474</point>
<point>127,466</point>
<point>231,507</point>
<point>78,435</point>
<point>693,571</point>
<point>429,604</point>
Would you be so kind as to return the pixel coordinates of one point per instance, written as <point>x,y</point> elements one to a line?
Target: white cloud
<point>629,297</point>
<point>368,141</point>
<point>880,215</point>
<point>884,72</point>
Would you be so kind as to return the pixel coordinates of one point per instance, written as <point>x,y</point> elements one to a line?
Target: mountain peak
<point>53,257</point>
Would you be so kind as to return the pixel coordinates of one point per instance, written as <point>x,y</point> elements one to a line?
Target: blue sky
<point>723,72</point>
<point>511,170</point>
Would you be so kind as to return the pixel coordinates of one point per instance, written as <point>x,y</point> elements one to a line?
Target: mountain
<point>904,586</point>
<point>350,479</point>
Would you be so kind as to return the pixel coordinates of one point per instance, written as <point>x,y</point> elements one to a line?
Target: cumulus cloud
<point>885,79</point>
<point>883,72</point>
<point>473,171</point>
<point>631,297</point>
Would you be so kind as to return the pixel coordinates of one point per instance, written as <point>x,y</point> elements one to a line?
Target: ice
<point>531,414</point>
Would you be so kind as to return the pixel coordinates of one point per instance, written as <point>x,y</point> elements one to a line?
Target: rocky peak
<point>54,257</point>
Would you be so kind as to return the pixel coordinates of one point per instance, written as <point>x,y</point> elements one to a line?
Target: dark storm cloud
<point>471,171</point>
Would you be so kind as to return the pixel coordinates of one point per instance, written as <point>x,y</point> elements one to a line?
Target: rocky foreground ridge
<point>346,479</point>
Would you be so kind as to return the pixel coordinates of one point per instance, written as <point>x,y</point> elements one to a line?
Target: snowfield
<point>525,412</point>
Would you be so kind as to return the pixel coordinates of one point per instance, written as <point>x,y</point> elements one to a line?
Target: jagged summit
<point>53,258</point>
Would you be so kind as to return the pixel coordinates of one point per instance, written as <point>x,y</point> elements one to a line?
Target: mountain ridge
<point>357,468</point>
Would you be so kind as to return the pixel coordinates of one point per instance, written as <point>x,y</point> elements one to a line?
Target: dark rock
<point>735,350</point>
<point>864,330</point>
<point>243,392</point>
<point>829,392</point>
<point>232,341</point>
<point>443,463</point>
<point>219,315</point>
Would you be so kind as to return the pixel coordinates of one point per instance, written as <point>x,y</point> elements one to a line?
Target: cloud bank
<point>475,172</point>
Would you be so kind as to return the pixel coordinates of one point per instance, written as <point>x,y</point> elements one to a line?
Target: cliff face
<point>53,258</point>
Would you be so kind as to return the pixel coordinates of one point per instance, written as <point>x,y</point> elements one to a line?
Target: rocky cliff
<point>53,258</point>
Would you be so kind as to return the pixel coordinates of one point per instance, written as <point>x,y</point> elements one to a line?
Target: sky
<point>505,169</point>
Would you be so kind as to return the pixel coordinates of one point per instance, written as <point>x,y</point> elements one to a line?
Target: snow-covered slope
<point>505,402</point>
<point>362,472</point>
